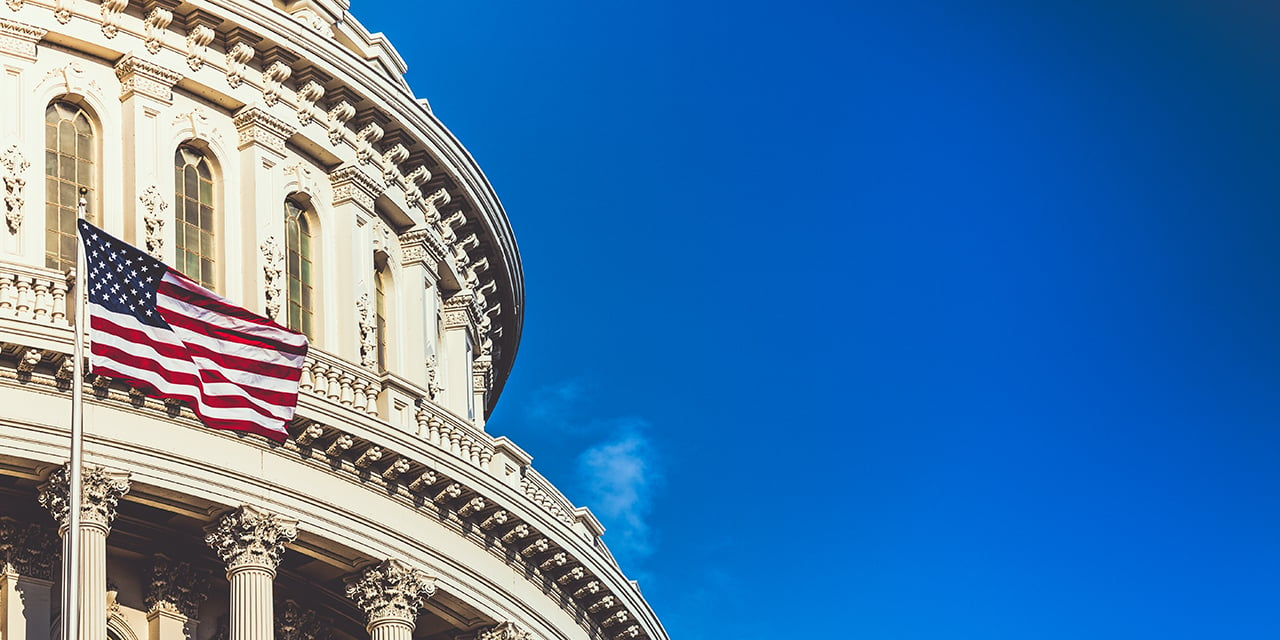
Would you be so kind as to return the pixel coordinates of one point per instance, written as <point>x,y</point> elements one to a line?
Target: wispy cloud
<point>620,476</point>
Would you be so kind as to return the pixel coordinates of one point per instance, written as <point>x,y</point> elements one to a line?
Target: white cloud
<point>619,477</point>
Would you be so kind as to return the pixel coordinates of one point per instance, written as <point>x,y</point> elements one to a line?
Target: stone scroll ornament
<point>15,167</point>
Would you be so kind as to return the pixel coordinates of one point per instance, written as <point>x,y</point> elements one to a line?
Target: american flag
<point>164,334</point>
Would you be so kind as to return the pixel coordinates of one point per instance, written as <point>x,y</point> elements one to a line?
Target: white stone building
<point>273,151</point>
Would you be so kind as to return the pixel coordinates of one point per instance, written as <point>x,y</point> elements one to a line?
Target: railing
<point>32,294</point>
<point>36,295</point>
<point>339,381</point>
<point>543,494</point>
<point>455,436</point>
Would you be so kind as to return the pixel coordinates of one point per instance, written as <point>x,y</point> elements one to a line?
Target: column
<point>101,494</point>
<point>173,599</point>
<point>28,558</point>
<point>250,541</point>
<point>390,595</point>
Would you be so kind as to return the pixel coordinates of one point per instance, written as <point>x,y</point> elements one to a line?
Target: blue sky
<point>894,320</point>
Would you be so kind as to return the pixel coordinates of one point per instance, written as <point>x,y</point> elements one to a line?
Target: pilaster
<point>146,90</point>
<point>262,147</point>
<point>28,558</point>
<point>460,347</point>
<point>421,253</point>
<point>354,194</point>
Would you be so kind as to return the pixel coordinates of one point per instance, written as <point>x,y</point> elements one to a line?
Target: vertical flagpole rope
<point>71,576</point>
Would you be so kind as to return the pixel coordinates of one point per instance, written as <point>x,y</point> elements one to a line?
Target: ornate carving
<point>391,590</point>
<point>309,435</point>
<point>146,78</point>
<point>368,136</point>
<point>15,167</point>
<point>111,10</point>
<point>198,121</point>
<point>175,586</point>
<point>391,161</point>
<point>497,518</point>
<point>313,21</point>
<point>308,95</point>
<point>19,39</point>
<point>153,207</point>
<point>101,493</point>
<point>447,226</point>
<point>350,184</point>
<point>368,332</point>
<point>301,177</point>
<point>504,631</point>
<point>30,358</point>
<point>198,39</point>
<point>250,536</point>
<point>29,549</point>
<point>273,274</point>
<point>238,56</point>
<point>433,385</point>
<point>14,5</point>
<point>460,255</point>
<point>295,623</point>
<point>156,24</point>
<point>73,78</point>
<point>62,10</point>
<point>273,78</point>
<point>255,125</point>
<point>338,117</point>
<point>370,456</point>
<point>396,469</point>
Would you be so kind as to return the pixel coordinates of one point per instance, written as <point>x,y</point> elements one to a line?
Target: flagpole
<point>71,574</point>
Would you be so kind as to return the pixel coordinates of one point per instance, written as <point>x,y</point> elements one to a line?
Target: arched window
<point>298,262</point>
<point>68,166</point>
<point>380,308</point>
<point>196,245</point>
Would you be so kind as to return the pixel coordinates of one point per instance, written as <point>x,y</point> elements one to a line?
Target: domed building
<point>272,152</point>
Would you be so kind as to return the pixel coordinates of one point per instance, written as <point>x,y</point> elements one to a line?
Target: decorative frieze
<point>101,493</point>
<point>352,185</point>
<point>19,39</point>
<point>175,586</point>
<point>29,550</point>
<point>391,590</point>
<point>15,166</point>
<point>251,537</point>
<point>138,76</point>
<point>256,126</point>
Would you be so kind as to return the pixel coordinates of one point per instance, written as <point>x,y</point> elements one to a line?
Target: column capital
<point>31,550</point>
<point>352,184</point>
<point>175,588</point>
<point>141,77</point>
<point>422,245</point>
<point>296,623</point>
<point>99,496</point>
<point>459,311</point>
<point>256,126</point>
<point>251,538</point>
<point>391,592</point>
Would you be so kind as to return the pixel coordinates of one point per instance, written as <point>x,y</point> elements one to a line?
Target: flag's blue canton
<point>122,278</point>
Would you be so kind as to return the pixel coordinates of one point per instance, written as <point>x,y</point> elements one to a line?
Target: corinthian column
<point>390,595</point>
<point>28,559</point>
<point>250,541</point>
<point>101,494</point>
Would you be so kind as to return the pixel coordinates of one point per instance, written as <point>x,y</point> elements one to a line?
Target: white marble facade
<point>226,137</point>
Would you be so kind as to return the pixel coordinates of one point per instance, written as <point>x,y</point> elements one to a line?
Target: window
<point>380,311</point>
<point>196,245</point>
<point>298,262</point>
<point>68,166</point>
